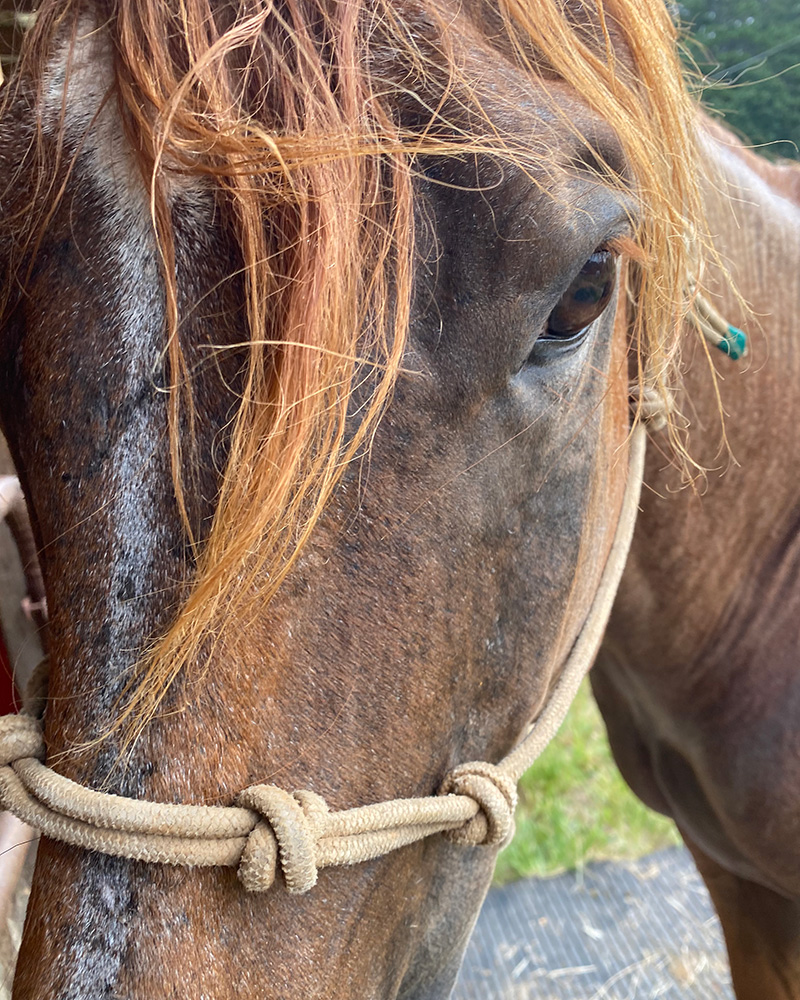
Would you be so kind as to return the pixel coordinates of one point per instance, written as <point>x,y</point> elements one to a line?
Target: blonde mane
<point>290,110</point>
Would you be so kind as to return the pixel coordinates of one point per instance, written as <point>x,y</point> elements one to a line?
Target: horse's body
<point>698,680</point>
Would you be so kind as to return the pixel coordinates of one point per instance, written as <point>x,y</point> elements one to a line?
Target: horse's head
<point>400,324</point>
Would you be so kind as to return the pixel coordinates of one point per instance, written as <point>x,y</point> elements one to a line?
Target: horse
<point>697,678</point>
<point>315,371</point>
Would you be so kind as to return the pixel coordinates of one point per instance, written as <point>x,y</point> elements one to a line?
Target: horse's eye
<point>585,299</point>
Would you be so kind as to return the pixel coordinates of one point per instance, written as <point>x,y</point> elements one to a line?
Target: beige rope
<point>653,405</point>
<point>269,828</point>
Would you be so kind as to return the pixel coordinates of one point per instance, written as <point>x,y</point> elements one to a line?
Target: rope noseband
<point>268,828</point>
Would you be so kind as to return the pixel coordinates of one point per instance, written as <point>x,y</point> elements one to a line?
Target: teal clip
<point>735,344</point>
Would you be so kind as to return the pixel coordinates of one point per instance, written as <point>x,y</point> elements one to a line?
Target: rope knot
<point>20,737</point>
<point>654,406</point>
<point>286,835</point>
<point>495,794</point>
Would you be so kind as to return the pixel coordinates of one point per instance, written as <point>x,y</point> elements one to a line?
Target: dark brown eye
<point>586,297</point>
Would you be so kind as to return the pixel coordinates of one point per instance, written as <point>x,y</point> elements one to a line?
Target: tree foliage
<point>748,53</point>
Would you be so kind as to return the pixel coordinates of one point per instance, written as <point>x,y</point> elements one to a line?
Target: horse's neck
<point>783,179</point>
<point>697,550</point>
<point>753,211</point>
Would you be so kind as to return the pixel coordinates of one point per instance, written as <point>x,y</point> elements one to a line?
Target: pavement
<point>637,930</point>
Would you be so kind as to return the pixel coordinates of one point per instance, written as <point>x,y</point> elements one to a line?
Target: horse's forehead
<point>541,112</point>
<point>533,103</point>
<point>77,101</point>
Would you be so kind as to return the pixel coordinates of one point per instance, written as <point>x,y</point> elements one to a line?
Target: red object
<point>9,699</point>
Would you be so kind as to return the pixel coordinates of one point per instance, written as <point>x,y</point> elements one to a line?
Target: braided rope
<point>714,327</point>
<point>267,828</point>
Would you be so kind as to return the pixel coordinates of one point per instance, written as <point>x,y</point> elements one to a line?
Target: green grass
<point>575,807</point>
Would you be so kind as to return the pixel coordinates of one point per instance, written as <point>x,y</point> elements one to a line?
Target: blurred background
<point>747,53</point>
